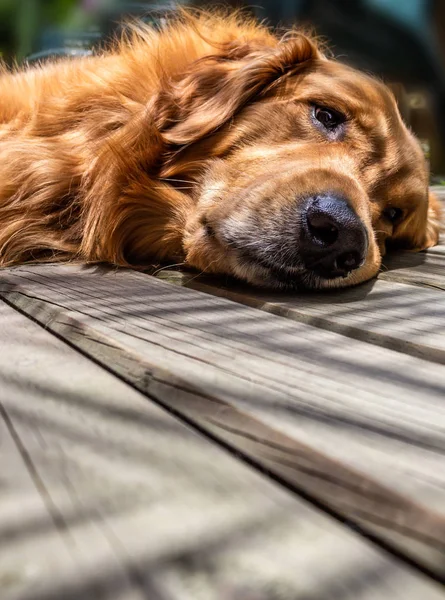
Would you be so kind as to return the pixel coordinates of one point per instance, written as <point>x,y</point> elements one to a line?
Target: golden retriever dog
<point>213,142</point>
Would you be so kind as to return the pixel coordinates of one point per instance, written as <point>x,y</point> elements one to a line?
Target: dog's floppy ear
<point>217,87</point>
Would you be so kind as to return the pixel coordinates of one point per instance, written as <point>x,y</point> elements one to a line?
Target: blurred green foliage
<point>21,21</point>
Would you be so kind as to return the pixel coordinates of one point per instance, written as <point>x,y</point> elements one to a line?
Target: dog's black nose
<point>334,240</point>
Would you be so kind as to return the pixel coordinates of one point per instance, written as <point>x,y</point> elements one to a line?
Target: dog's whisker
<point>202,272</point>
<point>159,187</point>
<point>168,179</point>
<point>181,264</point>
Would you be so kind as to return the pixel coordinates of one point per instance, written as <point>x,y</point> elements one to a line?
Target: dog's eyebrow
<point>347,93</point>
<point>339,98</point>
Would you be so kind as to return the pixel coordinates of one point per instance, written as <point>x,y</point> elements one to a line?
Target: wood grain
<point>358,429</point>
<point>131,503</point>
<point>24,514</point>
<point>406,318</point>
<point>423,268</point>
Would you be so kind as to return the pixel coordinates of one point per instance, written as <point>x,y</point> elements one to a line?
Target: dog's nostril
<point>348,261</point>
<point>321,227</point>
<point>334,240</point>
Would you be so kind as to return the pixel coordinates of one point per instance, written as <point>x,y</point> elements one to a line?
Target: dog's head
<point>310,171</point>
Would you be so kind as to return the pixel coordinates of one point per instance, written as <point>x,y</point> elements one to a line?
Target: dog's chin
<point>276,277</point>
<point>284,278</point>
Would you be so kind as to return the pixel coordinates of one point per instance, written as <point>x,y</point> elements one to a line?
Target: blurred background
<point>402,41</point>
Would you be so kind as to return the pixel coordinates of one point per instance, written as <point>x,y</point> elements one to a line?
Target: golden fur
<point>146,152</point>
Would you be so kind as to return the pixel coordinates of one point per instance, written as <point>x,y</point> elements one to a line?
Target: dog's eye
<point>393,214</point>
<point>328,117</point>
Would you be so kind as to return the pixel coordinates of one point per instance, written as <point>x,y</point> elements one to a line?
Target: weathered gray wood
<point>49,549</point>
<point>273,388</point>
<point>406,318</point>
<point>439,249</point>
<point>423,268</point>
<point>145,508</point>
<point>32,549</point>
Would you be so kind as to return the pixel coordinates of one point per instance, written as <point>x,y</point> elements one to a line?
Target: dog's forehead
<point>351,90</point>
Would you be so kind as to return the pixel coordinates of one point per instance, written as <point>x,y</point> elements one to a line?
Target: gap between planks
<point>148,509</point>
<point>121,332</point>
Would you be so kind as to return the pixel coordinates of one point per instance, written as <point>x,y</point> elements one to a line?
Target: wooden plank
<point>423,268</point>
<point>405,318</point>
<point>150,509</point>
<point>40,554</point>
<point>331,417</point>
<point>32,548</point>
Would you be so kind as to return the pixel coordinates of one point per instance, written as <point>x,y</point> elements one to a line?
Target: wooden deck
<point>181,438</point>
